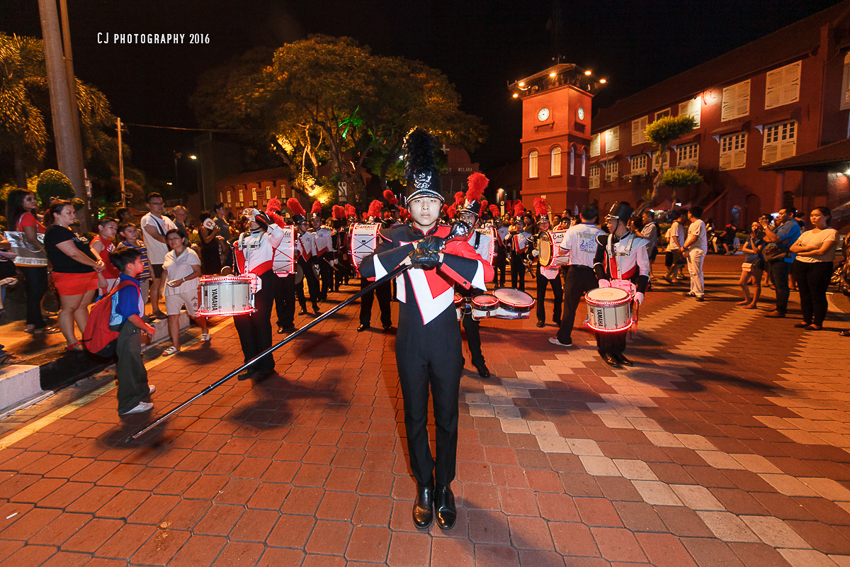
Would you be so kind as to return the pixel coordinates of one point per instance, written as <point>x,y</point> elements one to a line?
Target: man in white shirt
<point>695,248</point>
<point>154,228</point>
<point>580,242</point>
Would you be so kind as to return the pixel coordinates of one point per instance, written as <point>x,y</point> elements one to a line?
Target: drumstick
<point>396,272</point>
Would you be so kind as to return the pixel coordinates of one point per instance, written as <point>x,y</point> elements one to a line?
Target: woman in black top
<point>76,270</point>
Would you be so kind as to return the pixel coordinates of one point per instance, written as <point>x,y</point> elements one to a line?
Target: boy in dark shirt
<point>126,317</point>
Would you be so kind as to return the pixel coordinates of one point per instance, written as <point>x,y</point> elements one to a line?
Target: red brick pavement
<point>725,445</point>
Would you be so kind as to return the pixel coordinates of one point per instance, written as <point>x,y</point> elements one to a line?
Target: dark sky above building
<point>481,45</point>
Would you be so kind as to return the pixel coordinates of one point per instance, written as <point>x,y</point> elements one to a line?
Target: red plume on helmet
<point>317,208</point>
<point>273,206</point>
<point>540,208</point>
<point>519,208</point>
<point>375,209</point>
<point>452,210</point>
<point>295,207</point>
<point>365,216</point>
<point>445,209</point>
<point>494,210</point>
<point>390,197</point>
<point>404,214</point>
<point>484,204</point>
<point>459,197</point>
<point>477,183</point>
<point>350,211</point>
<point>338,212</point>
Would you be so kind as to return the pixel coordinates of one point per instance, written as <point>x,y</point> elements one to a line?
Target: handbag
<point>26,255</point>
<point>773,252</point>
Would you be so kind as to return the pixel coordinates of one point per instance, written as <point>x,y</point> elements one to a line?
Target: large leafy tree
<point>330,99</point>
<point>25,109</point>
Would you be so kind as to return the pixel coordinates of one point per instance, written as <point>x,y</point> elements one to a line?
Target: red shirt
<point>28,219</point>
<point>110,272</point>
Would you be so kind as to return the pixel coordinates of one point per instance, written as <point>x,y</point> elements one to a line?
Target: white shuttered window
<point>573,160</point>
<point>594,176</point>
<point>691,108</point>
<point>532,163</point>
<point>783,86</point>
<point>594,146</point>
<point>612,139</point>
<point>662,114</point>
<point>688,154</point>
<point>736,101</point>
<point>638,164</point>
<point>612,170</point>
<point>639,130</point>
<point>555,161</point>
<point>780,142</point>
<point>733,151</point>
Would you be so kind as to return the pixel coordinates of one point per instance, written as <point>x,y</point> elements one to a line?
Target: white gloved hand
<point>604,283</point>
<point>535,253</point>
<point>639,298</point>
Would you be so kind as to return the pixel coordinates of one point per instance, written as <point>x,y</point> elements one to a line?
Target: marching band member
<point>546,275</point>
<point>254,251</point>
<point>428,344</point>
<point>306,246</point>
<point>383,292</point>
<point>324,251</point>
<point>503,234</point>
<point>620,257</point>
<point>580,244</point>
<point>517,245</point>
<point>284,283</point>
<point>340,238</point>
<point>470,215</point>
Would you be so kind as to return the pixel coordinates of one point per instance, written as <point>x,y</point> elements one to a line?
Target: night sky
<point>481,45</point>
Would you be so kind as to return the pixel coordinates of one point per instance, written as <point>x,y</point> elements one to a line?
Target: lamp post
<point>177,156</point>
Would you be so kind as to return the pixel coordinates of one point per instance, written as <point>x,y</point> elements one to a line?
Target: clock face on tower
<point>543,114</point>
<point>580,113</point>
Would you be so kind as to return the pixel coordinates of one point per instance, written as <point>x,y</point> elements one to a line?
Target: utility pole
<point>67,147</point>
<point>121,165</point>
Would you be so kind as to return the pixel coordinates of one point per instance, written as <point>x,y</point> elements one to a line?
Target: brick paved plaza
<point>726,445</point>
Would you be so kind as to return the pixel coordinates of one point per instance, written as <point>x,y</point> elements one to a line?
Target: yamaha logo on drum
<point>214,305</point>
<point>600,318</point>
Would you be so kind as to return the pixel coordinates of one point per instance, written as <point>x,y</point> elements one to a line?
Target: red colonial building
<point>780,96</point>
<point>556,108</point>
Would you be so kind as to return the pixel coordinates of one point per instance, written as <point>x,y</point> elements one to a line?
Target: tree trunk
<point>281,153</point>
<point>20,166</point>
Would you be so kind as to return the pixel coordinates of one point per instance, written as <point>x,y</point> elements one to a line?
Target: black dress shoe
<point>609,359</point>
<point>246,375</point>
<point>362,328</point>
<point>302,312</point>
<point>541,323</point>
<point>621,358</point>
<point>387,327</point>
<point>483,371</point>
<point>444,504</point>
<point>423,508</point>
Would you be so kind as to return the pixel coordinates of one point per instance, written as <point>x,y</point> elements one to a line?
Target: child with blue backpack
<point>128,307</point>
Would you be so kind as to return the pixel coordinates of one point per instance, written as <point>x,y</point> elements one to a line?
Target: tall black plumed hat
<point>421,168</point>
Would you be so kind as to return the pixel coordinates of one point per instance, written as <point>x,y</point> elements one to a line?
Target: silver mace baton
<point>457,232</point>
<point>396,272</point>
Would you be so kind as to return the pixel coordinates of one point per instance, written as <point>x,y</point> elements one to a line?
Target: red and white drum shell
<point>513,304</point>
<point>609,309</point>
<point>549,246</point>
<point>486,243</point>
<point>283,261</point>
<point>484,306</point>
<point>224,296</point>
<point>364,240</point>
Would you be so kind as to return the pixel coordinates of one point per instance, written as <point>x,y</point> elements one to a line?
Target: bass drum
<point>283,261</point>
<point>551,253</point>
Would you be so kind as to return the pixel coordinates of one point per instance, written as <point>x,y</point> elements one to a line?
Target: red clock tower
<point>556,106</point>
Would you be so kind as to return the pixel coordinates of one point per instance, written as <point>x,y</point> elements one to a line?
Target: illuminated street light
<point>587,73</point>
<point>553,74</point>
<point>516,95</point>
<point>522,83</point>
<point>193,157</point>
<point>603,81</point>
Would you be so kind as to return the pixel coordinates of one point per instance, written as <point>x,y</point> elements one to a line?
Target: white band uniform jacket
<point>323,241</point>
<point>432,289</point>
<point>626,260</point>
<point>255,250</point>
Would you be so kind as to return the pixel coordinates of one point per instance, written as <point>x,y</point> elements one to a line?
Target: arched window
<point>555,161</point>
<point>532,163</point>
<point>573,160</point>
<point>584,162</point>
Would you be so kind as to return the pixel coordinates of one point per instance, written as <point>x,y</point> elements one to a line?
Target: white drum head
<point>607,295</point>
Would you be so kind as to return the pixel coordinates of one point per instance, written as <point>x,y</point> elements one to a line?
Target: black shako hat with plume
<point>421,169</point>
<point>476,182</point>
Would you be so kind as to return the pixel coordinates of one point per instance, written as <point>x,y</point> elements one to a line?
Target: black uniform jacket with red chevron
<point>430,291</point>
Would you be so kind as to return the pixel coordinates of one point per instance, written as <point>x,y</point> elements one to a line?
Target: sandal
<point>844,334</point>
<point>205,337</point>
<point>170,350</point>
<point>47,331</point>
<point>73,347</point>
<point>10,358</point>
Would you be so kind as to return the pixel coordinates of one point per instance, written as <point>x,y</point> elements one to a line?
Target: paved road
<point>726,445</point>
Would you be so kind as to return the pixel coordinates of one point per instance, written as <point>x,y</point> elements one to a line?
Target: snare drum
<point>283,261</point>
<point>484,305</point>
<point>226,296</point>
<point>513,304</point>
<point>609,309</point>
<point>364,240</point>
<point>549,245</point>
